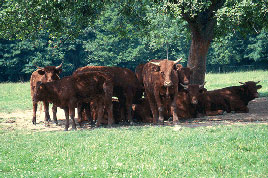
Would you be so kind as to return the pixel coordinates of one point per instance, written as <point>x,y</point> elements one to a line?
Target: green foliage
<point>124,34</point>
<point>228,151</point>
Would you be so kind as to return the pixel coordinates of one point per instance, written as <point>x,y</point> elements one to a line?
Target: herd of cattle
<point>157,91</point>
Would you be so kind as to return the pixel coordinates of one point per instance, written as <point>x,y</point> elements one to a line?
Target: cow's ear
<point>41,72</point>
<point>178,67</point>
<point>155,68</point>
<point>258,87</point>
<point>58,71</point>
<point>39,85</point>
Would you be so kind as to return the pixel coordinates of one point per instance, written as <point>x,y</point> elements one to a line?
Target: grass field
<point>223,151</point>
<point>136,151</point>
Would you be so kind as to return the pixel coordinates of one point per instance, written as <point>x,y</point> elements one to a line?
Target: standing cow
<point>160,81</point>
<point>46,74</point>
<point>70,92</point>
<point>126,86</point>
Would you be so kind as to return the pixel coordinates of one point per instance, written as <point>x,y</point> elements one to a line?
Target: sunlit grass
<point>216,81</point>
<point>223,151</point>
<point>15,96</point>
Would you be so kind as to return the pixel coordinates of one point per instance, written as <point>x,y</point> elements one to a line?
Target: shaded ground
<point>258,113</point>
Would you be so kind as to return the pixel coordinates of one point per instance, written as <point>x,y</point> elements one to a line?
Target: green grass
<point>223,151</point>
<point>15,96</point>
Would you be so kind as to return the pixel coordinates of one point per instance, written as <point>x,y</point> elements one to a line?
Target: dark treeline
<point>101,44</point>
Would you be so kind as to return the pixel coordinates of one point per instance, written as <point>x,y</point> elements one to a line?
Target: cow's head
<point>167,69</point>
<point>194,91</point>
<point>40,91</point>
<point>184,74</point>
<point>50,73</point>
<point>250,89</point>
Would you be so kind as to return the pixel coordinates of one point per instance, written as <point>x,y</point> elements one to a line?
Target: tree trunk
<point>197,57</point>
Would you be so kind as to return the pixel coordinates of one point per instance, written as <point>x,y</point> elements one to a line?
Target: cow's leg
<point>159,106</point>
<point>66,111</point>
<point>109,109</point>
<point>174,110</point>
<point>100,113</point>
<point>55,119</point>
<point>153,107</point>
<point>46,108</point>
<point>122,104</point>
<point>72,114</point>
<point>129,99</point>
<point>79,113</point>
<point>34,112</point>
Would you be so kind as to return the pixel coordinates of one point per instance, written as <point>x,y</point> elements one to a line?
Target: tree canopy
<point>135,28</point>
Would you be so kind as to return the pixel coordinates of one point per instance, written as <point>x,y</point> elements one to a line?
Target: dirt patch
<point>22,120</point>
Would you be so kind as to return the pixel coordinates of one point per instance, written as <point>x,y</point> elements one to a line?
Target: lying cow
<point>184,74</point>
<point>46,74</point>
<point>89,112</point>
<point>234,98</point>
<point>69,92</point>
<point>188,100</point>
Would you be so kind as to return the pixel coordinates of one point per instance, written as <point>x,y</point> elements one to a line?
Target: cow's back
<point>121,76</point>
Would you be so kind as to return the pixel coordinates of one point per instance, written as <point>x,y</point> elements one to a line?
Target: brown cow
<point>188,100</point>
<point>212,103</point>
<point>184,74</point>
<point>234,98</point>
<point>69,92</point>
<point>138,72</point>
<point>160,81</point>
<point>46,74</point>
<point>142,111</point>
<point>126,86</point>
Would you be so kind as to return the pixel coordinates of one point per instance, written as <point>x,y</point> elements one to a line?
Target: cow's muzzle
<point>167,84</point>
<point>194,101</point>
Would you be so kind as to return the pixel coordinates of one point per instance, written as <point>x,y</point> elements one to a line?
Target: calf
<point>69,92</point>
<point>46,74</point>
<point>142,111</point>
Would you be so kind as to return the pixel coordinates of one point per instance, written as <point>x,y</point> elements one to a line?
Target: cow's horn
<point>38,67</point>
<point>59,66</point>
<point>184,86</point>
<point>242,83</point>
<point>202,86</point>
<point>156,63</point>
<point>177,61</point>
<point>192,68</point>
<point>258,82</point>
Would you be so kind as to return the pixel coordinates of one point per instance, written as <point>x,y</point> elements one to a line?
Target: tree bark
<point>197,57</point>
<point>202,32</point>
